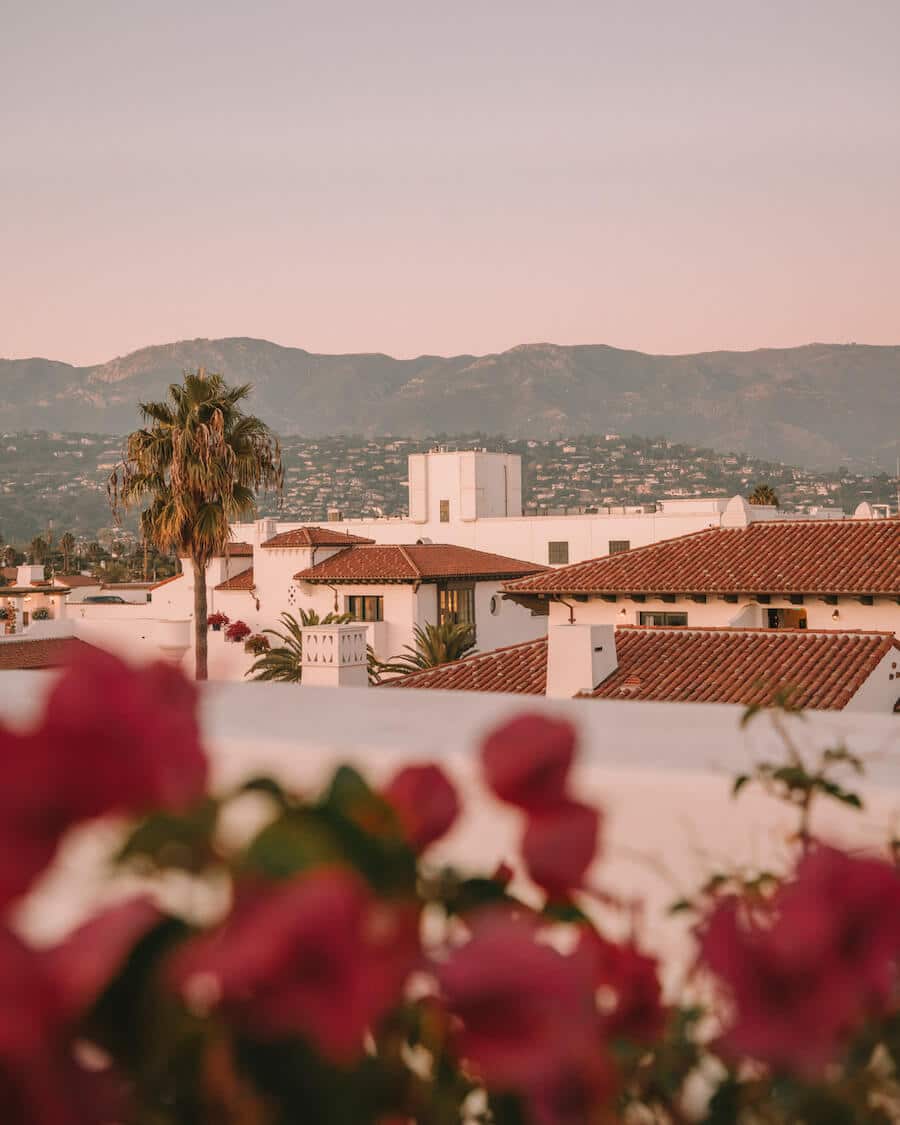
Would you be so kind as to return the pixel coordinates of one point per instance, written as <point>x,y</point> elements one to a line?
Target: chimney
<point>27,575</point>
<point>579,657</point>
<point>265,529</point>
<point>335,655</point>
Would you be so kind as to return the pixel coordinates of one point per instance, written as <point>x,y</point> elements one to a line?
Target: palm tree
<point>198,461</point>
<point>67,546</point>
<point>284,663</point>
<point>433,645</point>
<point>764,494</point>
<point>38,550</point>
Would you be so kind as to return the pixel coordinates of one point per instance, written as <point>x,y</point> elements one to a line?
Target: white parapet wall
<point>662,773</point>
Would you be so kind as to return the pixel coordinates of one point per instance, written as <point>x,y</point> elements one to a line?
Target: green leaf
<point>168,840</point>
<point>294,842</point>
<point>681,906</point>
<point>739,782</point>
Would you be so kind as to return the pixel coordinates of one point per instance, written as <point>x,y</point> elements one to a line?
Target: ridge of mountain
<point>818,404</point>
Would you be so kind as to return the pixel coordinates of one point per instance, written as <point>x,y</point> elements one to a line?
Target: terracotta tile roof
<point>422,562</point>
<point>804,557</point>
<point>518,668</point>
<point>314,537</point>
<point>238,549</point>
<point>50,652</point>
<point>140,585</point>
<point>74,581</point>
<point>242,581</point>
<point>824,669</point>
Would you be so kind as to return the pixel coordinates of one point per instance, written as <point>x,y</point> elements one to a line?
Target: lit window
<point>445,511</point>
<point>364,608</point>
<point>662,619</point>
<point>617,546</point>
<point>456,604</point>
<point>557,553</point>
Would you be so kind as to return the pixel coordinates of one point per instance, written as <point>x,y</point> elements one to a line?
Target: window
<point>786,618</point>
<point>557,553</point>
<point>364,608</point>
<point>445,511</point>
<point>662,618</point>
<point>617,546</point>
<point>456,603</point>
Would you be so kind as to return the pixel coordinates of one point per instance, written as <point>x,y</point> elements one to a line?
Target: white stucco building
<point>474,499</point>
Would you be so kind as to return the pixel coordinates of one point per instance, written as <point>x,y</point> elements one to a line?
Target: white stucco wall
<point>882,616</point>
<point>661,773</point>
<point>881,691</point>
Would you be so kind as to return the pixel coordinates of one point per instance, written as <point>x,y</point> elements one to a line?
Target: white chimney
<point>335,655</point>
<point>579,657</point>
<point>265,529</point>
<point>28,574</point>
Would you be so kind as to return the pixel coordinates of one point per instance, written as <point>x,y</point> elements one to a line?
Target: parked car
<point>105,599</point>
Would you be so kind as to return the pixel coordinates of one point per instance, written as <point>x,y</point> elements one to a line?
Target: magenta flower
<point>523,1008</point>
<point>810,972</point>
<point>317,956</point>
<point>559,846</point>
<point>526,761</point>
<point>425,801</point>
<point>628,982</point>
<point>41,996</point>
<point>123,739</point>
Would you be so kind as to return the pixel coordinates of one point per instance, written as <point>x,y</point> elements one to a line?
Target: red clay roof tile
<point>823,669</point>
<point>50,652</point>
<point>850,557</point>
<point>314,537</point>
<point>419,563</point>
<point>242,581</point>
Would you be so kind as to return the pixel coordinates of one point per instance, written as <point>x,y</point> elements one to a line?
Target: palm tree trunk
<point>200,639</point>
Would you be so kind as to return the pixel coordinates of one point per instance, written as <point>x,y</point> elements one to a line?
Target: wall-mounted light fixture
<point>623,612</point>
<point>835,615</point>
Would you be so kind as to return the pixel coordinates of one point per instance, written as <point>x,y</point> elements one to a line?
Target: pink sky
<point>413,178</point>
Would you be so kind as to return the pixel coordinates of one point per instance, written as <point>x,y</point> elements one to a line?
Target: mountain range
<point>818,405</point>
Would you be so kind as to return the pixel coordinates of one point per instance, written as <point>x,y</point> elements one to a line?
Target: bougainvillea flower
<point>579,1092</point>
<point>522,1006</point>
<point>41,996</point>
<point>526,761</point>
<point>425,801</point>
<point>31,819</point>
<point>81,966</point>
<point>628,982</point>
<point>808,974</point>
<point>317,956</point>
<point>559,846</point>
<point>123,739</point>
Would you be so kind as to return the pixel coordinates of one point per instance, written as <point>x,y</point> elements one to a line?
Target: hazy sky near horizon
<point>455,177</point>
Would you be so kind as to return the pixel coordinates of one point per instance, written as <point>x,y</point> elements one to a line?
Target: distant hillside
<point>820,405</point>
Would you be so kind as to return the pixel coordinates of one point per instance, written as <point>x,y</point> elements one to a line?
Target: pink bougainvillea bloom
<point>123,739</point>
<point>425,802</point>
<point>526,761</point>
<point>579,1092</point>
<point>559,846</point>
<point>522,1007</point>
<point>317,956</point>
<point>803,978</point>
<point>41,995</point>
<point>81,966</point>
<point>628,980</point>
<point>31,821</point>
